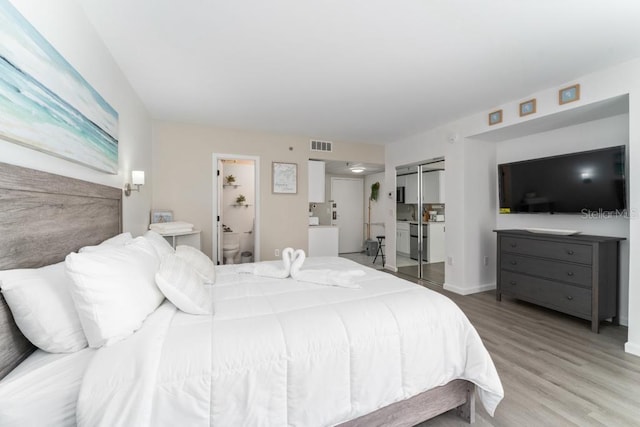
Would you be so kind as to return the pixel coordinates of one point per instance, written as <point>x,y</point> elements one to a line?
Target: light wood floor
<point>554,371</point>
<point>432,272</point>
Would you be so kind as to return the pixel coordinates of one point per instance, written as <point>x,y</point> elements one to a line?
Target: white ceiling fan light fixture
<point>355,168</point>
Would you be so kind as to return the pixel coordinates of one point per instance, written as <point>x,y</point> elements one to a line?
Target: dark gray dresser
<point>577,274</point>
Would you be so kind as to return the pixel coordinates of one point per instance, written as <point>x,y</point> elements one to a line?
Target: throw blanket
<point>280,352</point>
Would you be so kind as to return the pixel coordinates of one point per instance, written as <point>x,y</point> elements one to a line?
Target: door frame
<point>216,229</point>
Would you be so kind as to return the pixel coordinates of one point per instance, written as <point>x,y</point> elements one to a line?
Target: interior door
<point>348,194</point>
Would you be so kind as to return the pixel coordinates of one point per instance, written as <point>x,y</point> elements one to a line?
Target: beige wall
<point>183,177</point>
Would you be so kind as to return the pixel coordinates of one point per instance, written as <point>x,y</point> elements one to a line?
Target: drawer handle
<point>513,262</point>
<point>513,283</point>
<point>569,252</point>
<point>513,245</point>
<point>570,273</point>
<point>569,297</point>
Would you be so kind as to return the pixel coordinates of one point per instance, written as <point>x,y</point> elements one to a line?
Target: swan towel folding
<point>292,265</point>
<point>328,277</point>
<point>271,269</point>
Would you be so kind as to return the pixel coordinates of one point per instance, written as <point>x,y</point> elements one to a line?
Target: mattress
<point>43,389</point>
<point>284,352</point>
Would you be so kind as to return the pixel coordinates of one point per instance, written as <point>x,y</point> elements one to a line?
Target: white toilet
<point>230,246</point>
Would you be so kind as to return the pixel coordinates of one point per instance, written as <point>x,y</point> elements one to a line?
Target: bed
<point>275,352</point>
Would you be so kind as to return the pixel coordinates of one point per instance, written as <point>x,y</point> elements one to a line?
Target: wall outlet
<point>277,252</point>
<point>486,260</point>
<point>450,260</point>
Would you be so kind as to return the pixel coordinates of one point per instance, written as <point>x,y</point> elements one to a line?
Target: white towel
<point>170,227</point>
<point>269,268</point>
<point>343,279</point>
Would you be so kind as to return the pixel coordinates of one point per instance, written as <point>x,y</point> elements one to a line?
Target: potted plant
<point>230,179</point>
<point>240,199</point>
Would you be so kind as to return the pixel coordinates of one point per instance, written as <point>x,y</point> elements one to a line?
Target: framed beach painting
<point>285,178</point>
<point>46,105</point>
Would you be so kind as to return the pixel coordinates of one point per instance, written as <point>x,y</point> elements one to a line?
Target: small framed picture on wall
<point>528,107</point>
<point>495,117</point>
<point>569,94</point>
<point>285,178</point>
<point>161,215</point>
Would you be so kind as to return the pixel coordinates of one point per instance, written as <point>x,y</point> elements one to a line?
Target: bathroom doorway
<point>236,209</point>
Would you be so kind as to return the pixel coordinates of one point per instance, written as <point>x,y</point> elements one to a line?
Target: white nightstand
<point>189,238</point>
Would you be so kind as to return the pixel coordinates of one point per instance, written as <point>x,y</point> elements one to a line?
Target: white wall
<point>65,26</point>
<point>471,180</point>
<point>607,132</point>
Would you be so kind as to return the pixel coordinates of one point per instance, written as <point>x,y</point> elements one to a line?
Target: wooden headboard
<point>44,217</point>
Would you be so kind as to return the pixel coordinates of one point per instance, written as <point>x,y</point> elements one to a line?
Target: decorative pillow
<point>196,259</point>
<point>159,243</point>
<point>183,286</point>
<point>42,307</point>
<point>114,290</point>
<point>119,240</point>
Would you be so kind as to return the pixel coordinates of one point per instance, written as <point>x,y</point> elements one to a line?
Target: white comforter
<point>279,352</point>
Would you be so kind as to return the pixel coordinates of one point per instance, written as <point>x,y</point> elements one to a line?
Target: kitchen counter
<point>323,240</point>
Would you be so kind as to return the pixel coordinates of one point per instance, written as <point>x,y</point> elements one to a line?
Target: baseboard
<point>391,268</point>
<point>469,290</point>
<point>632,348</point>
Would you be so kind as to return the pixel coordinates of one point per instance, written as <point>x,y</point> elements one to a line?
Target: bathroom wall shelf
<point>231,185</point>
<point>239,205</point>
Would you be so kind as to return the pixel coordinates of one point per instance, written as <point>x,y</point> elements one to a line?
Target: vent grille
<point>321,145</point>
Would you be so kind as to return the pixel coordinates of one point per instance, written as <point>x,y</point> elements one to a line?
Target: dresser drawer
<point>547,249</point>
<point>558,296</point>
<point>566,272</point>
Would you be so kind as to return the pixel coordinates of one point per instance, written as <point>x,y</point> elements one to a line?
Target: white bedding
<point>43,390</point>
<point>281,352</point>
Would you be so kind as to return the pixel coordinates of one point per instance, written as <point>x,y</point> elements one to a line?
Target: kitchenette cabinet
<point>402,238</point>
<point>432,241</point>
<point>433,187</point>
<point>323,240</point>
<point>411,189</point>
<point>316,181</point>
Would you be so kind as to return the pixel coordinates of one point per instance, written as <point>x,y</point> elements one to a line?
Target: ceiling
<point>361,70</point>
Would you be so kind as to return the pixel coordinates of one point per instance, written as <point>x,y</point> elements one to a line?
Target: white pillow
<point>183,286</point>
<point>159,243</point>
<point>119,240</point>
<point>196,259</point>
<point>114,290</point>
<point>42,307</point>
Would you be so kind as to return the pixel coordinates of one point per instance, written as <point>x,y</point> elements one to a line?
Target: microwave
<point>399,194</point>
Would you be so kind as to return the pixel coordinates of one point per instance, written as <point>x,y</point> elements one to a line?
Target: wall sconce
<point>137,179</point>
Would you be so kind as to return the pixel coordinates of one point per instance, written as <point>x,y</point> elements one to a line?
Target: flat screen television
<point>571,183</point>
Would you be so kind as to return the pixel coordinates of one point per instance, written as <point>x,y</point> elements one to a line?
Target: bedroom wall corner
<point>64,25</point>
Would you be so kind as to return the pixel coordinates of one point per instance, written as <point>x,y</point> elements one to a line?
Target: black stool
<point>379,251</point>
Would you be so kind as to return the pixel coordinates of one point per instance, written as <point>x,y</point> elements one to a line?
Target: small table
<point>189,238</point>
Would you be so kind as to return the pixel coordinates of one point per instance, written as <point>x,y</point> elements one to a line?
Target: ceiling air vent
<point>321,145</point>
